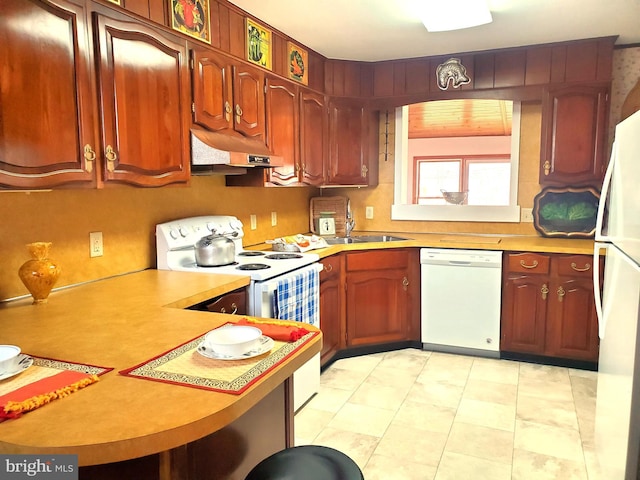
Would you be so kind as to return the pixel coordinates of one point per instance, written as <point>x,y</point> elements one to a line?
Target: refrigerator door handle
<point>606,184</point>
<point>597,295</point>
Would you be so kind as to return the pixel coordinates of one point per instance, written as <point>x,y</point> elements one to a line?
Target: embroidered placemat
<point>183,365</point>
<point>44,381</point>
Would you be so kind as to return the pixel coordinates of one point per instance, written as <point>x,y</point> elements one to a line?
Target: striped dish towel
<point>298,296</point>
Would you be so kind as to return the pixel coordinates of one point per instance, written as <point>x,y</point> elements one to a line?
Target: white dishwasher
<point>460,300</point>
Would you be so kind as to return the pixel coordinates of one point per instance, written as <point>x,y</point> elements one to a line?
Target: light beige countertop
<point>120,322</point>
<point>517,243</point>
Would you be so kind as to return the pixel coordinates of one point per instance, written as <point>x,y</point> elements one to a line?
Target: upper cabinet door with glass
<point>574,127</point>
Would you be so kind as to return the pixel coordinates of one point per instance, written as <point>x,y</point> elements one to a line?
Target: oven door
<point>263,303</point>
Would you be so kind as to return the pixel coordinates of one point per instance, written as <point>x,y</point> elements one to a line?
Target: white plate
<point>24,362</point>
<point>264,345</point>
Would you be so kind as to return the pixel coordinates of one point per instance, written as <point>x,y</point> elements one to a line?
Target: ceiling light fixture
<point>445,15</point>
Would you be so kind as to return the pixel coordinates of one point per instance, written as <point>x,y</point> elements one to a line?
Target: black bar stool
<point>308,462</point>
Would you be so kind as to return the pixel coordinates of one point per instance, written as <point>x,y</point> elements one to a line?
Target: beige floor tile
<point>487,414</point>
<point>455,466</point>
<point>535,466</point>
<point>559,390</point>
<point>381,396</point>
<point>488,391</point>
<point>309,422</point>
<point>392,377</point>
<point>548,373</point>
<point>482,442</point>
<point>575,372</point>
<point>363,363</point>
<point>407,361</point>
<point>441,367</point>
<point>434,418</point>
<point>357,446</point>
<point>494,370</point>
<point>362,419</point>
<point>594,470</point>
<point>403,442</point>
<point>548,440</point>
<point>380,467</point>
<point>557,413</point>
<point>329,399</point>
<point>436,393</point>
<point>342,378</point>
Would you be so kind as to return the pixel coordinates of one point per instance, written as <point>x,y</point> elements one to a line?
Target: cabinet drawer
<point>331,267</point>
<point>377,260</point>
<point>575,265</point>
<point>528,263</point>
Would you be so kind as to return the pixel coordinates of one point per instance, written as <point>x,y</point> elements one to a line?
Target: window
<point>485,166</point>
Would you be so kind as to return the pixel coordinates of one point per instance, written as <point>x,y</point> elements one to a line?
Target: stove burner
<point>283,256</point>
<point>217,266</point>
<point>250,253</point>
<point>253,266</point>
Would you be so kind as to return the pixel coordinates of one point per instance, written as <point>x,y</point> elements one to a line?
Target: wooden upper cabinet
<point>143,79</point>
<point>353,157</point>
<point>227,96</point>
<point>48,134</point>
<point>574,128</point>
<point>313,137</point>
<point>283,137</point>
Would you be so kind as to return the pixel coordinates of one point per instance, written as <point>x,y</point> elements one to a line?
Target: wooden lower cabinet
<point>331,306</point>
<point>382,296</point>
<point>548,306</point>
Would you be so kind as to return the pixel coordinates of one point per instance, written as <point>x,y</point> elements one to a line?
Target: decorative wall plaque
<point>298,63</point>
<point>451,71</point>
<point>566,212</point>
<point>258,44</point>
<point>192,18</point>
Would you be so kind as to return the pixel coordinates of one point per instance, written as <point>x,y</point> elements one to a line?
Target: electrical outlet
<point>254,222</point>
<point>95,244</point>
<point>274,219</point>
<point>526,215</point>
<point>368,213</point>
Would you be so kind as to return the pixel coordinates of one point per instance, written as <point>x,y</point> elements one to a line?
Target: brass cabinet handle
<point>233,312</point>
<point>405,283</point>
<point>533,265</point>
<point>238,113</point>
<point>327,268</point>
<point>547,167</point>
<point>227,110</point>
<point>363,171</point>
<point>89,157</point>
<point>575,267</point>
<point>111,156</point>
<point>561,293</point>
<point>544,290</point>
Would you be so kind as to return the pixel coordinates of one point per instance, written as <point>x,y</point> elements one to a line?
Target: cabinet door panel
<point>524,311</point>
<point>46,99</point>
<point>572,327</point>
<point>212,91</point>
<point>282,124</point>
<point>144,84</point>
<point>313,137</point>
<point>574,131</point>
<point>248,95</point>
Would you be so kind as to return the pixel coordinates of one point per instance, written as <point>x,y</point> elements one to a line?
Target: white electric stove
<point>175,244</point>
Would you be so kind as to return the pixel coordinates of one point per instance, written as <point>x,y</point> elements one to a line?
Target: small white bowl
<point>9,358</point>
<point>232,340</point>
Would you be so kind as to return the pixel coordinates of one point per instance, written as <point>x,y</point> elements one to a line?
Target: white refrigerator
<point>617,422</point>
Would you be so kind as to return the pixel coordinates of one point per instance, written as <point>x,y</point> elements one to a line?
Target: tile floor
<point>413,414</point>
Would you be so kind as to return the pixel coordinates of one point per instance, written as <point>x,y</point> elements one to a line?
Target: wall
<point>127,218</point>
<point>381,197</point>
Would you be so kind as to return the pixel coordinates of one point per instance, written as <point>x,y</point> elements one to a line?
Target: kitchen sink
<point>362,239</point>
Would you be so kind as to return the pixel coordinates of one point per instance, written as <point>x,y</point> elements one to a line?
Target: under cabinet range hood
<point>214,152</point>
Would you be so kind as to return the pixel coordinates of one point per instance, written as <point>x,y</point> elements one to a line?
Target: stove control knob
<point>236,224</point>
<point>184,232</point>
<point>174,234</point>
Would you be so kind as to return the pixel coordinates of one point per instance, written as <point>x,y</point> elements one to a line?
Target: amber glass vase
<point>39,274</point>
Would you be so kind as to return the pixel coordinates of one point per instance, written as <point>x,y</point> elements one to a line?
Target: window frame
<point>402,209</point>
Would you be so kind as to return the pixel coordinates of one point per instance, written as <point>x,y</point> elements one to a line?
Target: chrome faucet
<point>351,223</point>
